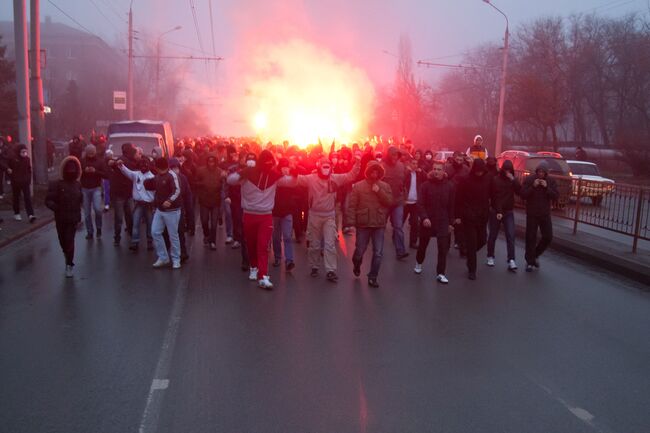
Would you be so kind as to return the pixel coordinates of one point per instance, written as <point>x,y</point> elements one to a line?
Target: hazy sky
<point>357,31</point>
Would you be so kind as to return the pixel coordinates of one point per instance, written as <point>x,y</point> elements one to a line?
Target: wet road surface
<point>125,348</point>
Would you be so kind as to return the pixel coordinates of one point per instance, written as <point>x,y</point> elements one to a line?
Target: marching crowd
<point>269,195</point>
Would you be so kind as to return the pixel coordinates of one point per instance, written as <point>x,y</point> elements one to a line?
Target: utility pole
<point>129,93</point>
<point>22,76</point>
<point>39,160</point>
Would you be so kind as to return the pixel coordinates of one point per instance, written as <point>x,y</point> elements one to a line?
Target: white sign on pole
<point>119,100</point>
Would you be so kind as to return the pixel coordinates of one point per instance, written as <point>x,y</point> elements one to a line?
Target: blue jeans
<point>92,201</point>
<point>107,192</point>
<point>141,211</point>
<point>282,228</point>
<point>494,225</point>
<point>364,235</point>
<point>397,221</point>
<point>168,220</point>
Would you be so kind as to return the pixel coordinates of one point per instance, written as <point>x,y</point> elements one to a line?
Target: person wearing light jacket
<point>142,199</point>
<point>167,200</point>
<point>258,186</point>
<point>322,187</point>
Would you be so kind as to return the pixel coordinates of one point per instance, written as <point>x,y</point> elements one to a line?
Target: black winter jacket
<point>539,199</point>
<point>503,190</point>
<point>436,199</point>
<point>21,170</point>
<point>94,179</point>
<point>473,199</point>
<point>64,196</point>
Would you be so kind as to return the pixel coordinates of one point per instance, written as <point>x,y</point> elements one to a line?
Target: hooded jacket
<point>322,192</point>
<point>366,208</point>
<point>503,190</point>
<point>94,179</point>
<point>395,176</point>
<point>21,167</point>
<point>64,195</point>
<point>473,195</point>
<point>209,182</point>
<point>538,198</point>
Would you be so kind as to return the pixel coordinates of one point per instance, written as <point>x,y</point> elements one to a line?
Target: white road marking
<point>582,414</point>
<point>160,382</point>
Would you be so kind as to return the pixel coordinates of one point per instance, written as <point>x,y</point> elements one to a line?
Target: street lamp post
<point>158,65</point>
<point>498,147</point>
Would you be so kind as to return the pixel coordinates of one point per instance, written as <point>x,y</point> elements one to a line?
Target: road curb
<point>568,244</point>
<point>40,223</point>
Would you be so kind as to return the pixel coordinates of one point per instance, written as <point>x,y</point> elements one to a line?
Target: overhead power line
<point>81,26</point>
<point>447,65</point>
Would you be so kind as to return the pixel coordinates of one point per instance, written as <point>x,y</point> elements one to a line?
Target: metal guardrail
<point>620,208</point>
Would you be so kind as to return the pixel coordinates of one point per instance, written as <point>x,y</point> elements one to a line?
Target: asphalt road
<point>125,348</point>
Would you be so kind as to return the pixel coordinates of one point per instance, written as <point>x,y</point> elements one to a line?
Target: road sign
<point>119,100</point>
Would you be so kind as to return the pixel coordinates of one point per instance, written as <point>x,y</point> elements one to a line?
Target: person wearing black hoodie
<point>64,199</point>
<point>472,206</point>
<point>503,188</point>
<point>456,170</point>
<point>19,169</point>
<point>539,190</point>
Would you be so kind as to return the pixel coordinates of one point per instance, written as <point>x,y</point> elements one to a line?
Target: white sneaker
<point>68,271</point>
<point>265,282</point>
<point>512,266</point>
<point>17,217</point>
<point>235,245</point>
<point>253,274</point>
<point>490,261</point>
<point>442,279</point>
<point>229,240</point>
<point>161,263</point>
<point>418,268</point>
<point>176,265</point>
<point>2,197</point>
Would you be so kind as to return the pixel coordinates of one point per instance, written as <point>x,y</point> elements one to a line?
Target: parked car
<point>593,185</point>
<point>147,127</point>
<point>443,155</point>
<point>526,163</point>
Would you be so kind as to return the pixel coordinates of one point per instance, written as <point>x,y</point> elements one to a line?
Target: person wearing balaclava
<point>540,191</point>
<point>64,199</point>
<point>322,187</point>
<point>504,186</point>
<point>142,200</point>
<point>258,185</point>
<point>472,206</point>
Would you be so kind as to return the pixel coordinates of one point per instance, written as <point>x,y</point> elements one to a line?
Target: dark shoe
<point>89,236</point>
<point>32,218</point>
<point>133,247</point>
<point>356,270</point>
<point>290,266</point>
<point>402,256</point>
<point>245,267</point>
<point>372,282</point>
<point>184,258</point>
<point>529,268</point>
<point>314,272</point>
<point>471,275</point>
<point>99,233</point>
<point>331,276</point>
<point>276,263</point>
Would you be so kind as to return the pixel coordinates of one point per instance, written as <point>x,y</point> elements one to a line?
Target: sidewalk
<point>12,230</point>
<point>601,248</point>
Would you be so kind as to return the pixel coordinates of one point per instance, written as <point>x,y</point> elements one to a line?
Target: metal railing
<point>620,208</point>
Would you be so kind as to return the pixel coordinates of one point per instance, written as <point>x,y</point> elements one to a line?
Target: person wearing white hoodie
<point>143,200</point>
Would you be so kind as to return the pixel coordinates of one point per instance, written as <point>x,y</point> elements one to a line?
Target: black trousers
<point>238,230</point>
<point>122,213</point>
<point>475,239</point>
<point>443,248</point>
<point>535,249</point>
<point>66,232</point>
<point>16,190</point>
<point>209,221</point>
<point>411,213</point>
<point>459,238</point>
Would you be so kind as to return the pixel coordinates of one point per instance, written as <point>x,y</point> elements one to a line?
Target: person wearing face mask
<point>322,187</point>
<point>64,199</point>
<point>436,208</point>
<point>142,199</point>
<point>504,186</point>
<point>426,163</point>
<point>258,186</point>
<point>472,206</point>
<point>19,169</point>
